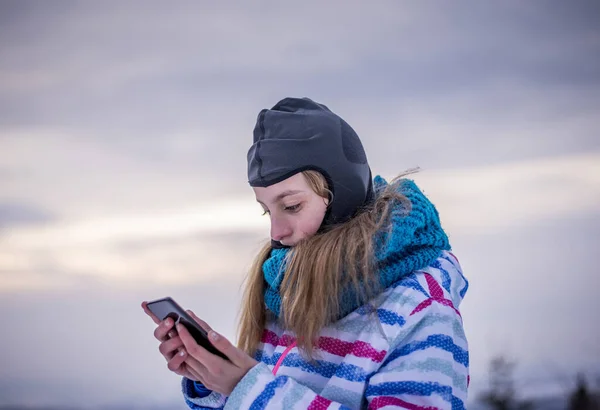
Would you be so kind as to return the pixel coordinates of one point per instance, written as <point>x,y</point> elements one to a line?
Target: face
<point>296,211</point>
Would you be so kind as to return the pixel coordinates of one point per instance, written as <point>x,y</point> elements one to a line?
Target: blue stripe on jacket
<point>416,389</point>
<point>439,341</point>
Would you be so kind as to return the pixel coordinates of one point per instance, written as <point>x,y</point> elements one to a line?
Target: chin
<point>293,243</point>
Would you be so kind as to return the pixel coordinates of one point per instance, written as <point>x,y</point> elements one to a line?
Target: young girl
<point>354,302</point>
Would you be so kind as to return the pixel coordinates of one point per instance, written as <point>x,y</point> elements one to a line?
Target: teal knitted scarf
<point>416,239</point>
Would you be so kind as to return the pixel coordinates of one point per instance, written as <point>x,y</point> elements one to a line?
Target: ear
<point>328,201</point>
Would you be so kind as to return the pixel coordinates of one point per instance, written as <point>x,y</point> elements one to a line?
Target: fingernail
<point>182,353</point>
<point>168,323</point>
<point>214,335</point>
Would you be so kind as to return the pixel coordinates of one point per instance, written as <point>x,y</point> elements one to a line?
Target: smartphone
<point>167,307</point>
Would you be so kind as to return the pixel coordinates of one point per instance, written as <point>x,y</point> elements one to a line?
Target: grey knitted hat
<point>299,134</point>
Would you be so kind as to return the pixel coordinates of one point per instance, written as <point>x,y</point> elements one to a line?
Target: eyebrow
<point>284,194</point>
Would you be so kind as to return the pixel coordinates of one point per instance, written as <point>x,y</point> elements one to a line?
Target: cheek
<point>310,227</point>
<point>311,223</point>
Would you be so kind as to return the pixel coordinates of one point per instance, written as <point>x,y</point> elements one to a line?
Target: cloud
<point>17,214</point>
<point>77,177</point>
<point>192,243</point>
<point>484,200</point>
<point>123,262</point>
<point>155,105</point>
<point>167,246</point>
<point>531,297</point>
<point>153,68</point>
<point>89,332</point>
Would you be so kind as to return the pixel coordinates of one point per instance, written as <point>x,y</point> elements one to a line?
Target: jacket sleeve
<point>261,389</point>
<point>198,397</point>
<point>426,367</point>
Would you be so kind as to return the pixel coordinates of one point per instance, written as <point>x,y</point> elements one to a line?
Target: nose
<point>280,229</point>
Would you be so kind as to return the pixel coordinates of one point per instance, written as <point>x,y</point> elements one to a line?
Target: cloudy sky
<point>123,133</point>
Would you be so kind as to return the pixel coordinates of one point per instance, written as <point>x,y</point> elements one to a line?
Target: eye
<point>265,212</point>
<point>292,208</point>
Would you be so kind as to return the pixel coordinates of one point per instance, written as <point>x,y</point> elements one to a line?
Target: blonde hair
<point>318,269</point>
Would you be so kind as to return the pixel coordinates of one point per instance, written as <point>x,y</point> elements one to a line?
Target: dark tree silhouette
<point>502,394</point>
<point>582,397</point>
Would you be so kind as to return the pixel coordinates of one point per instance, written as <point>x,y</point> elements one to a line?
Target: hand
<point>214,372</point>
<point>171,346</point>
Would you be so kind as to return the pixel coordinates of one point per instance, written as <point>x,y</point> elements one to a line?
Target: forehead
<point>293,185</point>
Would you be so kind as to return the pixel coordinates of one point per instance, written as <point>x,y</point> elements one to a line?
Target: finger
<point>162,330</point>
<point>175,363</point>
<point>149,313</point>
<point>196,375</point>
<point>170,347</point>
<point>201,322</point>
<point>185,371</point>
<point>207,359</point>
<point>197,369</point>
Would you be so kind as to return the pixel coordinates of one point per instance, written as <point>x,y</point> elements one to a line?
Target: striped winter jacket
<point>414,357</point>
